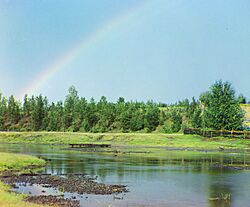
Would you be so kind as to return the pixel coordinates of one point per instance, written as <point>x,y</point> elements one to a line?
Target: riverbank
<point>13,165</point>
<point>18,171</point>
<point>175,141</point>
<point>16,163</point>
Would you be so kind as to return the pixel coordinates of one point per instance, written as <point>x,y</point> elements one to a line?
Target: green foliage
<point>38,113</point>
<point>222,109</point>
<point>77,114</point>
<point>217,109</point>
<point>55,117</point>
<point>193,113</point>
<point>13,111</point>
<point>152,117</point>
<point>242,99</point>
<point>176,121</point>
<point>70,104</point>
<point>3,112</point>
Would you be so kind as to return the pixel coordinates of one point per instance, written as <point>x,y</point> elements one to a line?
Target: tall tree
<point>55,117</point>
<point>38,113</point>
<point>69,108</point>
<point>13,112</point>
<point>3,112</point>
<point>222,109</point>
<point>194,113</point>
<point>176,117</point>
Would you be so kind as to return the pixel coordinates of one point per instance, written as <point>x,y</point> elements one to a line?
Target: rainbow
<point>80,48</point>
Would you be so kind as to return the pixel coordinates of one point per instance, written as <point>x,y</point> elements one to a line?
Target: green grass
<point>125,139</point>
<point>17,163</point>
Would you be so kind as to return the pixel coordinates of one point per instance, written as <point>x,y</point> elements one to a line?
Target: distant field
<point>246,108</point>
<point>176,141</point>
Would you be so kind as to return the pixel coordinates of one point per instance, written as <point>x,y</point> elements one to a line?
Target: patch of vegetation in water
<point>222,196</point>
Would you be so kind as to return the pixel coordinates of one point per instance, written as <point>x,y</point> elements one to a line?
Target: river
<point>154,177</point>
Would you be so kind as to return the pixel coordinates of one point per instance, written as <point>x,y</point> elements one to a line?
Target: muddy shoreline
<point>53,200</point>
<point>72,183</point>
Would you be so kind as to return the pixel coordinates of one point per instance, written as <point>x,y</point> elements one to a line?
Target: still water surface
<point>159,178</point>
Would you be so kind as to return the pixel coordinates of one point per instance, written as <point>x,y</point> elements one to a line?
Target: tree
<point>3,112</point>
<point>106,115</point>
<point>26,106</point>
<point>26,119</point>
<point>221,108</point>
<point>152,117</point>
<point>137,113</point>
<point>38,113</point>
<point>176,120</point>
<point>242,99</point>
<point>91,116</point>
<point>13,112</point>
<point>55,117</point>
<point>193,112</point>
<point>69,107</point>
<point>79,115</point>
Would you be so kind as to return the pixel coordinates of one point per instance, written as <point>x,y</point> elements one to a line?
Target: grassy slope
<point>246,108</point>
<point>125,139</point>
<point>15,162</point>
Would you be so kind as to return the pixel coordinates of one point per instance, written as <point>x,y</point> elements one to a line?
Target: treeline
<point>77,114</point>
<point>216,109</point>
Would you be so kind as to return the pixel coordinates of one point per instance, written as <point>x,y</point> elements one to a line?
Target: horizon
<point>20,100</point>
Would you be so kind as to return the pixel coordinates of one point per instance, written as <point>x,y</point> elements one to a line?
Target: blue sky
<point>162,50</point>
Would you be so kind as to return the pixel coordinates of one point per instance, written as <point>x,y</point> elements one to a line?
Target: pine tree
<point>69,108</point>
<point>38,113</point>
<point>13,113</point>
<point>3,112</point>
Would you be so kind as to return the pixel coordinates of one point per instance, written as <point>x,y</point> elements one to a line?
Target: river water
<point>155,177</point>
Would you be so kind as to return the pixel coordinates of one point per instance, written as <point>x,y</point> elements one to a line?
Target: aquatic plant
<point>222,196</point>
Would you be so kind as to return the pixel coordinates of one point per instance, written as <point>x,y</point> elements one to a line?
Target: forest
<point>218,108</point>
